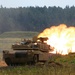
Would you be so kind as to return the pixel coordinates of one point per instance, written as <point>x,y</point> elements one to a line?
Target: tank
<point>28,52</point>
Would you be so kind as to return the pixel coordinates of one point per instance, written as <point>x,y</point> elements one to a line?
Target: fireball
<point>61,37</point>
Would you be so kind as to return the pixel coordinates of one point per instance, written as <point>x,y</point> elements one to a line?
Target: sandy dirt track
<point>3,64</point>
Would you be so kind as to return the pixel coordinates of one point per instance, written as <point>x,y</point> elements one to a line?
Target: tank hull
<point>24,57</point>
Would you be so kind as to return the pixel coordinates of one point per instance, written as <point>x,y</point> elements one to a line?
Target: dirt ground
<point>3,64</point>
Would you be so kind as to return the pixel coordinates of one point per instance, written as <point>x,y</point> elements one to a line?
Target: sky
<point>40,3</point>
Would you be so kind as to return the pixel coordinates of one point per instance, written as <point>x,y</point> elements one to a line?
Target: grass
<point>18,34</point>
<point>36,70</point>
<point>67,59</point>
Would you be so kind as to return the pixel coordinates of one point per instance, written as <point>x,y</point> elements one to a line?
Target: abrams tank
<point>28,52</point>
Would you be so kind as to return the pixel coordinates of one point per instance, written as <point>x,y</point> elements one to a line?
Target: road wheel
<point>35,58</point>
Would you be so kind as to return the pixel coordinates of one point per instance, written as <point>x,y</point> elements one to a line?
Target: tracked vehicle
<point>28,52</point>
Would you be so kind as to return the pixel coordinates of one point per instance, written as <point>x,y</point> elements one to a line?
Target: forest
<point>35,18</point>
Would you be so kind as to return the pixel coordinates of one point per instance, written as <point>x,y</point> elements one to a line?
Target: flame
<point>61,37</point>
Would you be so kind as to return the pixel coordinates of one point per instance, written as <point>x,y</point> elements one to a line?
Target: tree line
<point>35,18</point>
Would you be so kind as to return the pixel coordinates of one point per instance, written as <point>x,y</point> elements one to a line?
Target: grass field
<point>35,70</point>
<point>67,62</point>
<point>18,34</point>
